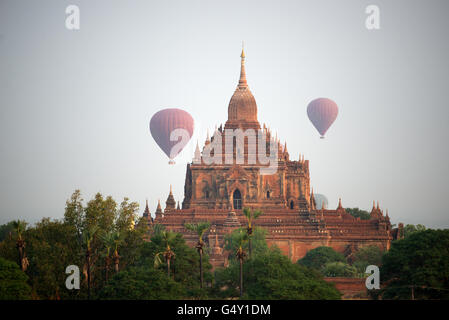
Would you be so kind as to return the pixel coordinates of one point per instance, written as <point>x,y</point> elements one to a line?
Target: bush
<point>318,257</point>
<point>365,256</point>
<point>141,284</point>
<point>13,282</point>
<point>338,269</point>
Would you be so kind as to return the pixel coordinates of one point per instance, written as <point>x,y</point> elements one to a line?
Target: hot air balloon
<point>322,113</point>
<point>320,201</point>
<point>171,129</point>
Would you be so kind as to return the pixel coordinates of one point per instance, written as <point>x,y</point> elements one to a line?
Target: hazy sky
<point>75,105</point>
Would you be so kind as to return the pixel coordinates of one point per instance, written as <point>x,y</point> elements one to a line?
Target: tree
<point>103,214</point>
<point>358,213</point>
<point>365,256</point>
<point>241,254</point>
<point>271,275</point>
<point>258,243</point>
<point>410,229</point>
<point>100,213</point>
<point>13,282</point>
<point>88,237</point>
<point>139,283</point>
<point>320,256</point>
<point>126,216</point>
<point>6,230</point>
<point>110,241</point>
<point>250,217</point>
<point>74,215</point>
<point>19,227</point>
<point>199,228</point>
<point>338,269</point>
<point>181,267</point>
<point>167,253</point>
<point>416,267</point>
<point>51,246</point>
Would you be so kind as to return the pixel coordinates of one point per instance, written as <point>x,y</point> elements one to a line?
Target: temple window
<point>237,197</point>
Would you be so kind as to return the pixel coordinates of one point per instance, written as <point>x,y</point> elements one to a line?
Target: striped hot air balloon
<point>171,129</point>
<point>322,113</point>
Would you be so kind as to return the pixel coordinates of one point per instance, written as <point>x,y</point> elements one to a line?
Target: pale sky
<point>75,105</point>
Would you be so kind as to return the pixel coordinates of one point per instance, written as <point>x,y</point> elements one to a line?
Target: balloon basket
<point>322,137</point>
<point>171,162</point>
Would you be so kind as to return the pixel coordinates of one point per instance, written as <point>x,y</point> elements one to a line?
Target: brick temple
<point>217,193</point>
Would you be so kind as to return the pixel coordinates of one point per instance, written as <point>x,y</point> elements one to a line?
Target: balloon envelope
<point>322,113</point>
<point>171,129</point>
<point>320,201</point>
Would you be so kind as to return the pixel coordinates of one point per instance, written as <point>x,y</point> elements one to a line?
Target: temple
<point>218,191</point>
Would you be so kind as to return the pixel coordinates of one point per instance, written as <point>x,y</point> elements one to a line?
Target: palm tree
<point>109,240</point>
<point>199,228</point>
<point>157,229</point>
<point>167,238</point>
<point>240,254</point>
<point>20,226</point>
<point>116,256</point>
<point>250,217</point>
<point>88,237</point>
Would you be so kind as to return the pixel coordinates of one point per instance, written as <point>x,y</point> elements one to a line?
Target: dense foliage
<point>13,282</point>
<point>6,230</point>
<point>358,213</point>
<point>338,269</point>
<point>417,267</point>
<point>411,228</point>
<point>259,245</point>
<point>365,256</point>
<point>139,283</point>
<point>109,244</point>
<point>317,258</point>
<point>271,275</point>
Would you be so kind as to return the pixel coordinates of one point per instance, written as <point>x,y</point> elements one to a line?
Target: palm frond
<point>202,228</point>
<point>157,259</point>
<point>257,214</point>
<point>247,213</point>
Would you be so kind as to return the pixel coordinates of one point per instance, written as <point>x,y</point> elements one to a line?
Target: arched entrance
<point>292,205</point>
<point>237,198</point>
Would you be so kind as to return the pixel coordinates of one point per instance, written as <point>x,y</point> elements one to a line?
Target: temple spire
<point>197,155</point>
<point>312,201</point>
<point>242,81</point>
<point>207,138</point>
<point>170,204</point>
<point>158,209</point>
<point>146,213</point>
